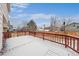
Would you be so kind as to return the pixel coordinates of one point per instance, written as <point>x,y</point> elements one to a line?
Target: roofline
<point>72,23</point>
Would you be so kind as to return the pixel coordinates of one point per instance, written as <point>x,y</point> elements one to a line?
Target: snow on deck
<point>33,46</point>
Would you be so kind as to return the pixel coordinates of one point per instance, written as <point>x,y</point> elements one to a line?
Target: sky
<point>41,13</point>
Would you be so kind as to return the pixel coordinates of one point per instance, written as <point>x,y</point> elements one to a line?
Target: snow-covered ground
<point>33,46</point>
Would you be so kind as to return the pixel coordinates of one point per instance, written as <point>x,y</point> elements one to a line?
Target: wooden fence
<point>66,40</point>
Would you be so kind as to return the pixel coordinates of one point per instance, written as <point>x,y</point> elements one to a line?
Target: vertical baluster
<point>78,45</point>
<point>25,32</point>
<point>17,33</point>
<point>52,37</point>
<point>28,32</point>
<point>70,42</point>
<point>55,38</point>
<point>73,43</point>
<point>59,39</point>
<point>22,33</point>
<point>65,41</point>
<point>62,39</point>
<point>43,36</point>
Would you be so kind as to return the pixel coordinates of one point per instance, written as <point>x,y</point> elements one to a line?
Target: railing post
<point>74,43</point>
<point>34,34</point>
<point>43,36</point>
<point>78,45</point>
<point>29,32</point>
<point>9,34</point>
<point>16,34</point>
<point>25,32</point>
<point>65,41</point>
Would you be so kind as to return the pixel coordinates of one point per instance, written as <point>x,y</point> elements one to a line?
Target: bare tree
<point>53,23</point>
<point>65,21</point>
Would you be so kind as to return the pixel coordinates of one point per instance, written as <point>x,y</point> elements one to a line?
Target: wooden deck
<point>66,40</point>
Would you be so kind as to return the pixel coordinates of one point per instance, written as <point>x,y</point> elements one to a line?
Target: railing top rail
<point>50,33</point>
<point>60,34</point>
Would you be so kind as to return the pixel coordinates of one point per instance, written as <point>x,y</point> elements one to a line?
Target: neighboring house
<point>46,28</point>
<point>4,9</point>
<point>31,26</point>
<point>40,29</point>
<point>73,27</point>
<point>55,29</point>
<point>10,27</point>
<point>43,29</point>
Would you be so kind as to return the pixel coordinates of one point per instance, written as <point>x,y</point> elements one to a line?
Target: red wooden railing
<point>66,40</point>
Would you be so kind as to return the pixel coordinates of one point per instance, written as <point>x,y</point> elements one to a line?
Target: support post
<point>78,45</point>
<point>65,42</point>
<point>43,36</point>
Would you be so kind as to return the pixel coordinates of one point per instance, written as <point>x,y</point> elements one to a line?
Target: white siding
<point>1,30</point>
<point>3,11</point>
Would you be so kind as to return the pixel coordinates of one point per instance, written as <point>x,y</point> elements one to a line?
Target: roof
<point>72,23</point>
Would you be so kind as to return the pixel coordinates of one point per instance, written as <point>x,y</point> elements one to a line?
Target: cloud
<point>41,16</point>
<point>33,16</point>
<point>36,17</point>
<point>20,5</point>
